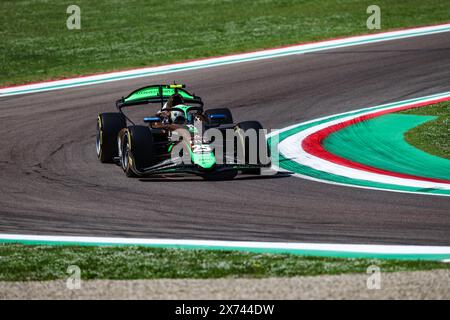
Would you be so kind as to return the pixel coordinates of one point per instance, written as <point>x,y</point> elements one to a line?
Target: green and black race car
<point>180,137</point>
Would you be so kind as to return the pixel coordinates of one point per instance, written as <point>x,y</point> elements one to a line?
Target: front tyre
<point>136,149</point>
<point>108,127</point>
<point>252,141</point>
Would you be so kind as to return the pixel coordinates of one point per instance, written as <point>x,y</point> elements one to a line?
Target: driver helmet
<point>177,117</point>
<point>173,101</point>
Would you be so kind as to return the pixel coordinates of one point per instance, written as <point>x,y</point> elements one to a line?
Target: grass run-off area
<point>117,34</point>
<point>433,136</point>
<point>22,263</point>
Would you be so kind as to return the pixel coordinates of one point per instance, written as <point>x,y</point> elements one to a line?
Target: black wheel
<point>221,175</point>
<point>219,116</point>
<point>250,139</point>
<point>136,149</point>
<point>108,127</point>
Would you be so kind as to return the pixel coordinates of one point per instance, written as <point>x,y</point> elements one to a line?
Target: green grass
<point>21,263</point>
<point>117,34</point>
<point>434,136</point>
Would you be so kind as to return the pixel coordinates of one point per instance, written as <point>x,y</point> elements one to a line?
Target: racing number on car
<point>201,148</point>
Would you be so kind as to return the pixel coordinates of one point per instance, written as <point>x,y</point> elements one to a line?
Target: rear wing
<point>157,94</point>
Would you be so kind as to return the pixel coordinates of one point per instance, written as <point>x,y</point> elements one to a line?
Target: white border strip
<point>344,248</point>
<point>292,149</point>
<point>218,61</point>
<point>374,109</point>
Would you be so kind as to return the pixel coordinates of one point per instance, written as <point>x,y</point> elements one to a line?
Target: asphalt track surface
<point>52,183</point>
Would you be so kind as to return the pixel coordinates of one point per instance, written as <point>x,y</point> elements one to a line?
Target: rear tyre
<point>136,149</point>
<point>251,147</point>
<point>108,127</point>
<point>224,113</point>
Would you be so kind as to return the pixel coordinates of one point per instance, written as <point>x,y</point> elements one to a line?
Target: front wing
<point>176,165</point>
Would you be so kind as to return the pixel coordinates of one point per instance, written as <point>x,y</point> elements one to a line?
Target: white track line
<point>344,248</point>
<point>359,111</point>
<point>292,149</point>
<point>219,61</point>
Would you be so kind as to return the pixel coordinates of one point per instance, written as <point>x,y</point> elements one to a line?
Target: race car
<point>180,137</point>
